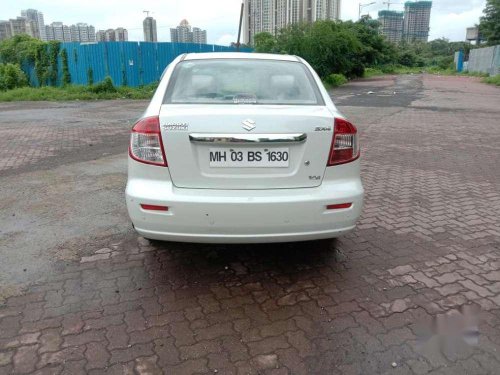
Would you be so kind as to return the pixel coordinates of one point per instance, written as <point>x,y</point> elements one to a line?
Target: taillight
<point>145,142</point>
<point>344,146</point>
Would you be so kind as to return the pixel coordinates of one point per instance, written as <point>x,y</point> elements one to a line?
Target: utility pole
<point>239,28</point>
<point>361,6</point>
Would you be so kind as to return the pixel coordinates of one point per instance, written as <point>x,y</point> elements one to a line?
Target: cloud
<point>226,39</point>
<point>220,18</point>
<point>453,25</point>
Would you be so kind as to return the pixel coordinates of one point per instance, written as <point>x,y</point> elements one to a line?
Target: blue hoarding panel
<point>127,63</point>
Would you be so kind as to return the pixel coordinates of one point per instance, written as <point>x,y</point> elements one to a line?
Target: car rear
<point>243,148</point>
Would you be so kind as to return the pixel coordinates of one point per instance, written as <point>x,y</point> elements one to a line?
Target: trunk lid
<point>246,146</point>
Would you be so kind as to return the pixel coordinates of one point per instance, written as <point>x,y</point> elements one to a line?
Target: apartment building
<point>391,25</point>
<point>37,24</point>
<point>112,35</point>
<point>185,34</point>
<point>273,15</point>
<point>58,31</point>
<point>416,21</point>
<point>149,28</point>
<point>82,32</point>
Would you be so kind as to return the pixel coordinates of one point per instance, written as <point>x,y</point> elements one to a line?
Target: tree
<point>490,22</point>
<point>264,42</point>
<point>19,49</point>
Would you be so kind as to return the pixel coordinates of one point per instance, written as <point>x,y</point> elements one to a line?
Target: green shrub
<point>493,80</point>
<point>105,86</point>
<point>335,80</point>
<point>11,77</point>
<point>373,72</point>
<point>90,76</point>
<point>388,69</point>
<point>408,58</point>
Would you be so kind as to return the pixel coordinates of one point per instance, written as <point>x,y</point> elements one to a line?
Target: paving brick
<point>131,353</point>
<point>62,356</point>
<point>189,367</point>
<point>147,366</point>
<point>214,331</point>
<point>84,338</point>
<point>448,278</point>
<point>199,350</point>
<point>117,337</point>
<point>97,355</point>
<point>268,345</point>
<point>167,352</point>
<point>483,292</point>
<point>25,359</point>
<point>50,341</point>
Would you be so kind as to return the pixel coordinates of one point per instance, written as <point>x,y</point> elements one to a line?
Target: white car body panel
<point>189,167</point>
<point>243,205</point>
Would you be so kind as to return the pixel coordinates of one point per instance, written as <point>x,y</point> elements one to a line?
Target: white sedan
<point>243,148</point>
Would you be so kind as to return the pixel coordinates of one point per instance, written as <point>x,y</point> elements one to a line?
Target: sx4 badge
<point>176,126</point>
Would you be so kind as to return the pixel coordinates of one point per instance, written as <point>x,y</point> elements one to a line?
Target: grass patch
<point>399,69</point>
<point>373,72</point>
<point>493,80</point>
<point>334,80</point>
<point>76,92</point>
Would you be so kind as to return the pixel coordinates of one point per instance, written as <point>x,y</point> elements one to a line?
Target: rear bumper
<point>243,216</point>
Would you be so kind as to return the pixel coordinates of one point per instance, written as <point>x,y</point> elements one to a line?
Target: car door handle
<point>247,138</point>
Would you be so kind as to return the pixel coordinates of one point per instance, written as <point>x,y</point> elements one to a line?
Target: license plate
<point>249,157</point>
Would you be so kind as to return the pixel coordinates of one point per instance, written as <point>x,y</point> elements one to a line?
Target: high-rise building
<point>273,15</point>
<point>184,34</point>
<point>81,32</point>
<point>100,36</point>
<point>5,31</point>
<point>391,25</point>
<point>20,25</point>
<point>121,34</point>
<point>112,35</point>
<point>35,18</point>
<point>416,21</point>
<point>149,26</point>
<point>199,35</point>
<point>58,31</point>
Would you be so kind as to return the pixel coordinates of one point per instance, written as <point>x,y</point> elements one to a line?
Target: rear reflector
<point>153,207</point>
<point>338,206</point>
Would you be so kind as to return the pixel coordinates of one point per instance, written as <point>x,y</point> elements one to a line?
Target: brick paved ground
<point>34,133</point>
<point>428,244</point>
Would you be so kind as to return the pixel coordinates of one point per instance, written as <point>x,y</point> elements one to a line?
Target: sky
<point>449,18</point>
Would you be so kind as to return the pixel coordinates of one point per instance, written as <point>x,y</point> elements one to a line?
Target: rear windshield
<point>242,81</point>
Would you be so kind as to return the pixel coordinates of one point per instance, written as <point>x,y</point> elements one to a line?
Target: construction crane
<point>389,4</point>
<point>147,12</point>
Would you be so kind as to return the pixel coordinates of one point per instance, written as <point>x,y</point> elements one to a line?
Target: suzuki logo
<point>248,124</point>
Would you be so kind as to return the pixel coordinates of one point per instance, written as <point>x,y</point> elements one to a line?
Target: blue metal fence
<point>129,63</point>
